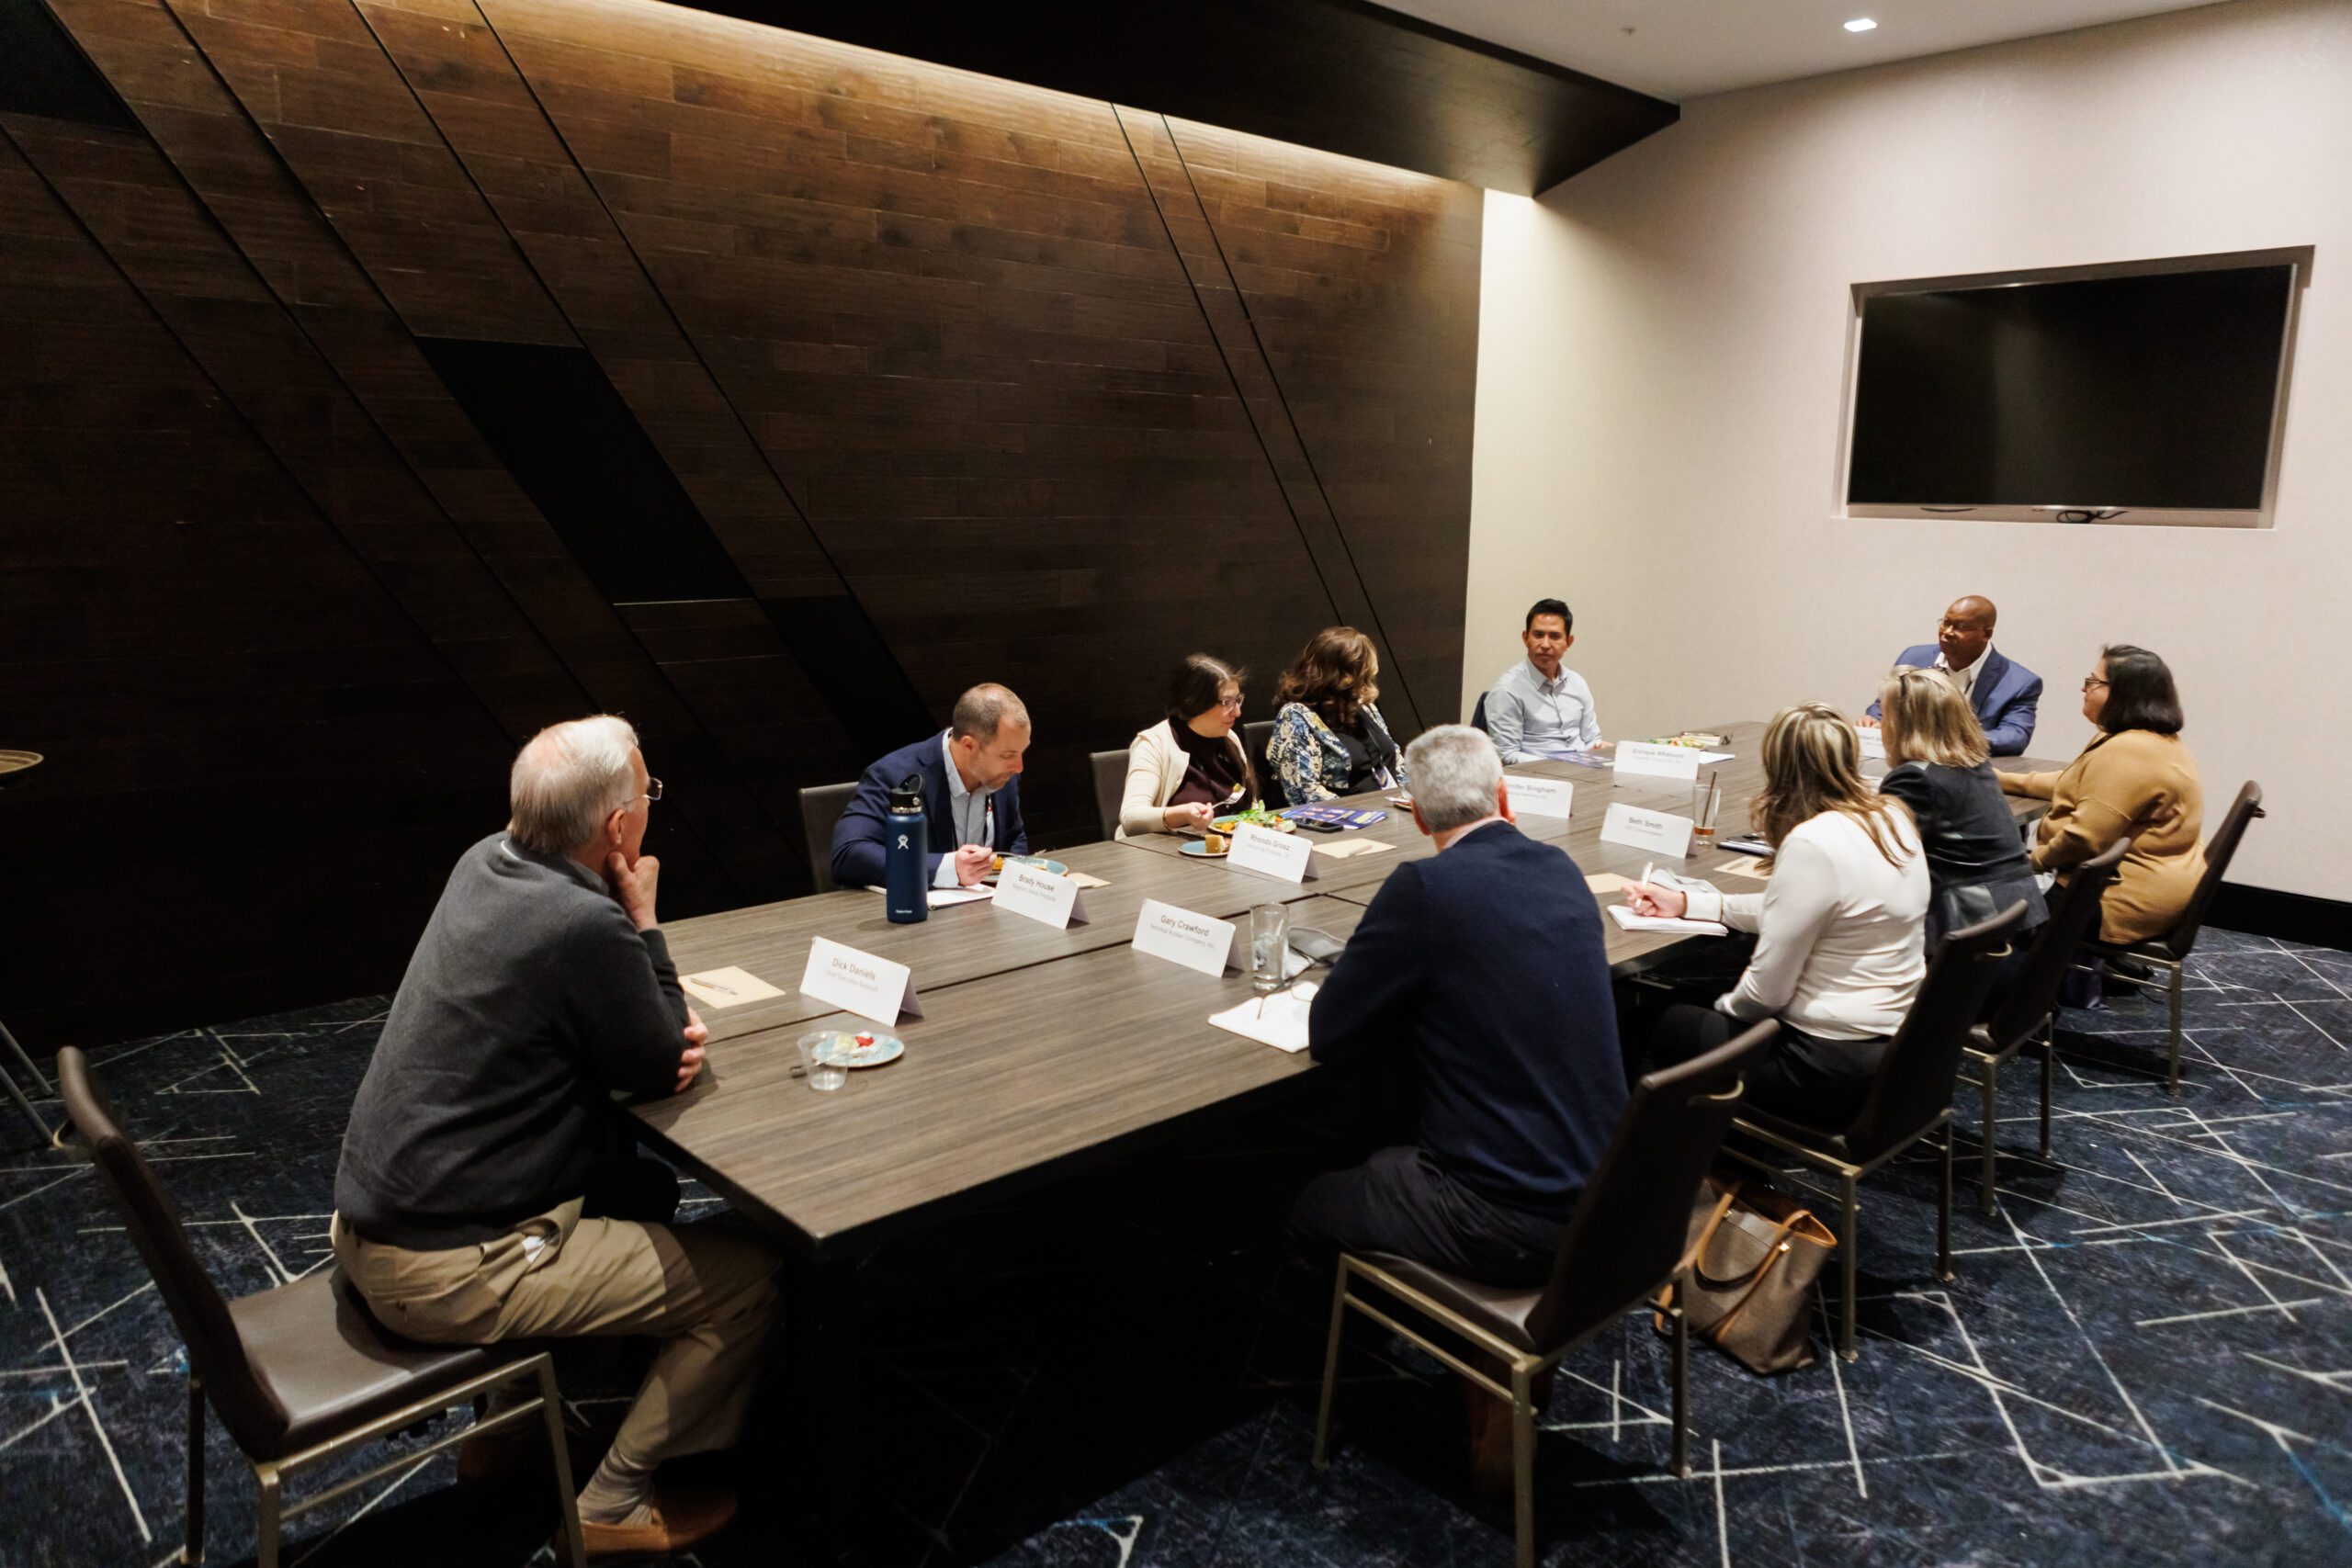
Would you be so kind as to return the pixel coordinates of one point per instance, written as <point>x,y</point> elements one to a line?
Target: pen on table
<point>715,986</point>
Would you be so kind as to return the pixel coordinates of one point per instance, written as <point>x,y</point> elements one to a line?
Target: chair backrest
<point>215,1350</point>
<point>2073,915</point>
<point>1915,1076</point>
<point>1478,713</point>
<point>1254,735</point>
<point>1630,1228</point>
<point>821,809</point>
<point>1110,785</point>
<point>2217,854</point>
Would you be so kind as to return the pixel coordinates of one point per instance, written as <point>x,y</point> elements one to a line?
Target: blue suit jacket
<point>2004,696</point>
<point>857,837</point>
<point>1484,965</point>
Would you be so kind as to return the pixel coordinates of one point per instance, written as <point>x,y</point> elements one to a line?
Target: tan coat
<point>1156,770</point>
<point>2138,783</point>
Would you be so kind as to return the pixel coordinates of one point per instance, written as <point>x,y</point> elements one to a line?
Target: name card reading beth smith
<point>1660,761</point>
<point>859,983</point>
<point>1182,937</point>
<point>1285,857</point>
<point>1539,797</point>
<point>1668,835</point>
<point>1039,894</point>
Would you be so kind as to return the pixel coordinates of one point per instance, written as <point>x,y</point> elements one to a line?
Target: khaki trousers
<point>705,1291</point>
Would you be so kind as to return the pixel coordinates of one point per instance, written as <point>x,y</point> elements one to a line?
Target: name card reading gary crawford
<point>1196,941</point>
<point>1668,835</point>
<point>1661,762</point>
<point>860,983</point>
<point>1039,894</point>
<point>1539,797</point>
<point>1285,857</point>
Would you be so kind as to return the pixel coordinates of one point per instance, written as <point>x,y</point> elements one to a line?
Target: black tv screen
<point>2148,391</point>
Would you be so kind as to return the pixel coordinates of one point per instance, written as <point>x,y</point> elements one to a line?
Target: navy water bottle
<point>906,847</point>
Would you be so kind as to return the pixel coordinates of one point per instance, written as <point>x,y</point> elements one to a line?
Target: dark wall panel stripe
<point>46,76</point>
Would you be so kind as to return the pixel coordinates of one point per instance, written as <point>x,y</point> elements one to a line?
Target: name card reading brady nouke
<point>1182,937</point>
<point>860,983</point>
<point>1285,857</point>
<point>1539,797</point>
<point>1039,894</point>
<point>1657,830</point>
<point>1662,761</point>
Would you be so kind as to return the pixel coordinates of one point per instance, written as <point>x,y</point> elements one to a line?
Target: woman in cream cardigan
<point>2134,777</point>
<point>1191,765</point>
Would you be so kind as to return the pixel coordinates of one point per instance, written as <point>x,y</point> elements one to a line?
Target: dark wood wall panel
<point>939,379</point>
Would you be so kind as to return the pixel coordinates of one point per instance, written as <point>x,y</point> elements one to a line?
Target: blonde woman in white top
<point>1191,765</point>
<point>1840,928</point>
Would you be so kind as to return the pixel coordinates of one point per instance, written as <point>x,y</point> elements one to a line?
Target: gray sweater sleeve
<point>631,1013</point>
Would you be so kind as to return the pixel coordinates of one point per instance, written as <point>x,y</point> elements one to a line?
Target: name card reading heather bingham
<point>859,983</point>
<point>1660,761</point>
<point>1667,834</point>
<point>1285,857</point>
<point>1040,895</point>
<point>1182,937</point>
<point>1539,797</point>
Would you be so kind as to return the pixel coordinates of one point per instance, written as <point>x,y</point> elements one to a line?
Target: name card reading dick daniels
<point>1659,761</point>
<point>1182,937</point>
<point>1040,895</point>
<point>860,983</point>
<point>1668,835</point>
<point>1539,797</point>
<point>1285,857</point>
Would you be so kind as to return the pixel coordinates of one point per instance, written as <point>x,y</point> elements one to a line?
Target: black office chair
<point>2028,1015</point>
<point>2168,953</point>
<point>821,809</point>
<point>1909,1099</point>
<point>300,1373</point>
<point>1254,737</point>
<point>1478,714</point>
<point>1110,785</point>
<point>1625,1241</point>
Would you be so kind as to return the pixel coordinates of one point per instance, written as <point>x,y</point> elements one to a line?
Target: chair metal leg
<point>1330,1368</point>
<point>1943,1211</point>
<point>2172,1042</point>
<point>1848,1243</point>
<point>1681,1390</point>
<point>193,1552</point>
<point>575,1550</point>
<point>1991,1081</point>
<point>2049,1062</point>
<point>1522,1461</point>
<point>272,1522</point>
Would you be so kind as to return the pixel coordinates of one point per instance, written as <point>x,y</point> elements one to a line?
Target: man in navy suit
<point>971,775</point>
<point>1481,971</point>
<point>2003,692</point>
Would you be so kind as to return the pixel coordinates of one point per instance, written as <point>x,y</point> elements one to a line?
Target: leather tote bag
<point>1747,1281</point>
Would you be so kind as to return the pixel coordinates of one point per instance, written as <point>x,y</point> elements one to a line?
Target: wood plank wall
<point>966,381</point>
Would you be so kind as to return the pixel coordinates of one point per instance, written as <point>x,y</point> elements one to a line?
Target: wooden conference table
<point>1041,1051</point>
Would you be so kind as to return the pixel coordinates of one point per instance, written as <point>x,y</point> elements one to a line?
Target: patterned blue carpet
<point>2147,1355</point>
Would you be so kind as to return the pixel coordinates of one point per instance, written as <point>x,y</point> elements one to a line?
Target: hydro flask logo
<point>902,841</point>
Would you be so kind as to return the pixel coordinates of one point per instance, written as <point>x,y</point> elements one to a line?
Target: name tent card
<point>1660,761</point>
<point>859,983</point>
<point>1196,941</point>
<point>1667,834</point>
<point>1539,797</point>
<point>1040,895</point>
<point>1285,857</point>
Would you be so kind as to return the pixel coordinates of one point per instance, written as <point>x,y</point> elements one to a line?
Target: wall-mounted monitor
<point>2151,393</point>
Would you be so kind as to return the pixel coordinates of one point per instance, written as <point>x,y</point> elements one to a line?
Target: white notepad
<point>1279,1020</point>
<point>1628,920</point>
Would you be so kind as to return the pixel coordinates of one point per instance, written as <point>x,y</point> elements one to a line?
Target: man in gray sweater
<point>542,988</point>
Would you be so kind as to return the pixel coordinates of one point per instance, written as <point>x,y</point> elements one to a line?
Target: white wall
<point>1661,359</point>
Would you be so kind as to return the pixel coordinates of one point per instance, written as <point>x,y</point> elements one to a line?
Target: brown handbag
<point>1746,1283</point>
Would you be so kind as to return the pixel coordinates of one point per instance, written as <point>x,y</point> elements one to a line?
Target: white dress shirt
<point>1531,718</point>
<point>1966,679</point>
<point>973,815</point>
<point>1839,933</point>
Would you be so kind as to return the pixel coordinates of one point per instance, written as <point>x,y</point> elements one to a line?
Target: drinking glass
<point>1269,946</point>
<point>1705,803</point>
<point>822,1074</point>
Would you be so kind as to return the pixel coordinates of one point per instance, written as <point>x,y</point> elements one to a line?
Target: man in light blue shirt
<point>1538,708</point>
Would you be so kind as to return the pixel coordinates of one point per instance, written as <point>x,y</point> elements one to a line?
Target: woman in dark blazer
<point>1976,859</point>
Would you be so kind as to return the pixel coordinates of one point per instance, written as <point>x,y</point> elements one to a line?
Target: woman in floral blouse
<point>1329,736</point>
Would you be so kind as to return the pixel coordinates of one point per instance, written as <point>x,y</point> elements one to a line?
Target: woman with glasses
<point>2134,777</point>
<point>1191,765</point>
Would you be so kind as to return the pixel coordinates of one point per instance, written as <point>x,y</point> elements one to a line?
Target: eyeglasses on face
<point>1232,702</point>
<point>653,789</point>
<point>2090,681</point>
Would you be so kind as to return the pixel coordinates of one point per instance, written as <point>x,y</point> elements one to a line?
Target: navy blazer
<point>2004,697</point>
<point>1485,965</point>
<point>857,837</point>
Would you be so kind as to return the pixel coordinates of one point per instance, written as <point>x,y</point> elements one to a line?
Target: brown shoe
<point>681,1521</point>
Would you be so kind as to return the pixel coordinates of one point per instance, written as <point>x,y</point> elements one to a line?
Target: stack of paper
<point>1628,920</point>
<point>1279,1020</point>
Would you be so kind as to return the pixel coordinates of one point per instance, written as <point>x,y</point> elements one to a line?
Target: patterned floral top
<point>1312,763</point>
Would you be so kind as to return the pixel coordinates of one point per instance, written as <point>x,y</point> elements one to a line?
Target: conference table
<point>1041,1051</point>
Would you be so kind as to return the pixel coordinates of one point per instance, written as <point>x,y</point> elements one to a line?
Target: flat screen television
<point>2150,396</point>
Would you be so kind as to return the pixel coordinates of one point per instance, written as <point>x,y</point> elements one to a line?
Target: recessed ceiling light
<point>1861,25</point>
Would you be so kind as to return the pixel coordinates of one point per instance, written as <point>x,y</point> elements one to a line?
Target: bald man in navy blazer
<point>2003,692</point>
